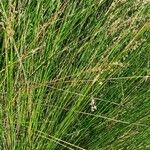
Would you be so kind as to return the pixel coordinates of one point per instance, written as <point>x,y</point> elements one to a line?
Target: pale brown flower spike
<point>93,105</point>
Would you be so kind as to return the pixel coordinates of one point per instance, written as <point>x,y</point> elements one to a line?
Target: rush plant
<point>75,74</point>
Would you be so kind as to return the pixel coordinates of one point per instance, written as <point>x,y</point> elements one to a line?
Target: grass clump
<point>59,56</point>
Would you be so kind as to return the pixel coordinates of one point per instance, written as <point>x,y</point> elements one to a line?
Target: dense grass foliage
<point>56,56</point>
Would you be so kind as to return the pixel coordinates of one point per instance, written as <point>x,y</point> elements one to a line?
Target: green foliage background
<point>56,55</point>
